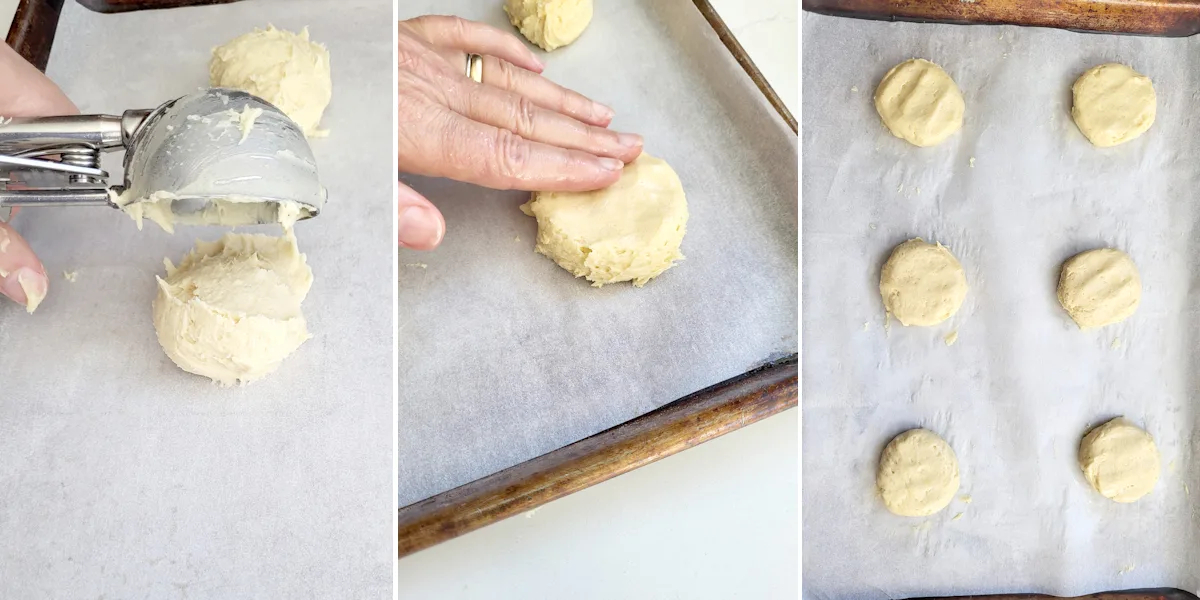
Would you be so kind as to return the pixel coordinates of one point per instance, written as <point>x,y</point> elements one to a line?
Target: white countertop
<point>718,521</point>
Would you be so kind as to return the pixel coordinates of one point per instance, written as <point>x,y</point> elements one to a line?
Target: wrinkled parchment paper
<point>123,476</point>
<point>504,356</point>
<point>1017,391</point>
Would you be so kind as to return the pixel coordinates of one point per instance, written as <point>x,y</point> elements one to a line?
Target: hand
<point>26,92</point>
<point>517,130</point>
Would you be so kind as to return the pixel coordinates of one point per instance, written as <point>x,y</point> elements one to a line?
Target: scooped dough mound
<point>280,67</point>
<point>1099,287</point>
<point>231,310</point>
<point>629,231</point>
<point>1113,104</point>
<point>920,103</point>
<point>1120,460</point>
<point>922,284</point>
<point>550,23</point>
<point>918,474</point>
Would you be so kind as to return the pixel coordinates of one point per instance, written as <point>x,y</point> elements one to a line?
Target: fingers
<point>22,277</point>
<point>477,38</point>
<point>493,157</point>
<point>523,117</point>
<point>421,225</point>
<point>28,92</point>
<point>544,93</point>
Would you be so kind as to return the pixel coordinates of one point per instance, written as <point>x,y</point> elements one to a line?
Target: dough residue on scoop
<point>550,23</point>
<point>918,474</point>
<point>629,231</point>
<point>231,310</point>
<point>1120,460</point>
<point>230,211</point>
<point>1099,287</point>
<point>920,103</point>
<point>922,284</point>
<point>1113,104</point>
<point>281,67</point>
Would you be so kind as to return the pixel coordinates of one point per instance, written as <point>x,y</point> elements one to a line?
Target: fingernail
<point>611,164</point>
<point>420,228</point>
<point>629,140</point>
<point>25,286</point>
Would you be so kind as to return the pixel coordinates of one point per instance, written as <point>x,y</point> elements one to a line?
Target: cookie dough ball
<point>1120,460</point>
<point>629,231</point>
<point>550,23</point>
<point>231,310</point>
<point>1113,104</point>
<point>918,474</point>
<point>919,103</point>
<point>922,284</point>
<point>1099,287</point>
<point>280,67</point>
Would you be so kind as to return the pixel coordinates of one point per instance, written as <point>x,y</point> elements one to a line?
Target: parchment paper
<point>123,476</point>
<point>1021,386</point>
<point>505,356</point>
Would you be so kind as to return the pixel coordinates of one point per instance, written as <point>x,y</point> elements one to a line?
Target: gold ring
<point>475,67</point>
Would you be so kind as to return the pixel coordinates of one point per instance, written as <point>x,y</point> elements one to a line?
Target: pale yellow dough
<point>550,23</point>
<point>922,284</point>
<point>919,103</point>
<point>281,67</point>
<point>1099,287</point>
<point>1120,460</point>
<point>629,231</point>
<point>1113,104</point>
<point>231,310</point>
<point>918,474</point>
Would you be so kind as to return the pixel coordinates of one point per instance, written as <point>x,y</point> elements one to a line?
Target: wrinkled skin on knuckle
<point>510,157</point>
<point>524,116</point>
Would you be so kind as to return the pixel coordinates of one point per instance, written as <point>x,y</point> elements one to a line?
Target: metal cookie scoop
<point>215,156</point>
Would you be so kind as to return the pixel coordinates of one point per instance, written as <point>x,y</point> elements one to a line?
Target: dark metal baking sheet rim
<point>682,424</point>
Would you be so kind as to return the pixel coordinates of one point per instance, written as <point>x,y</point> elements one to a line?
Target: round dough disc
<point>1113,104</point>
<point>918,474</point>
<point>919,103</point>
<point>231,310</point>
<point>280,67</point>
<point>629,231</point>
<point>1099,287</point>
<point>922,284</point>
<point>550,23</point>
<point>1120,460</point>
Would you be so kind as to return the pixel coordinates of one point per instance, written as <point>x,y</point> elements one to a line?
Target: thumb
<point>421,225</point>
<point>22,277</point>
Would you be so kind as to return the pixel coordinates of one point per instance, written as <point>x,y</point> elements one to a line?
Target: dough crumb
<point>417,265</point>
<point>517,239</point>
<point>957,517</point>
<point>1116,343</point>
<point>34,288</point>
<point>866,325</point>
<point>530,514</point>
<point>965,498</point>
<point>951,338</point>
<point>972,162</point>
<point>1126,570</point>
<point>854,89</point>
<point>70,275</point>
<point>872,226</point>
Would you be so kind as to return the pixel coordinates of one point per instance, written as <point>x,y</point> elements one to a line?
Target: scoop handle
<point>1168,18</point>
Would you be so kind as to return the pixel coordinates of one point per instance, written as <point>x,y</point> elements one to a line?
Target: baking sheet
<point>125,477</point>
<point>504,356</point>
<point>1022,384</point>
